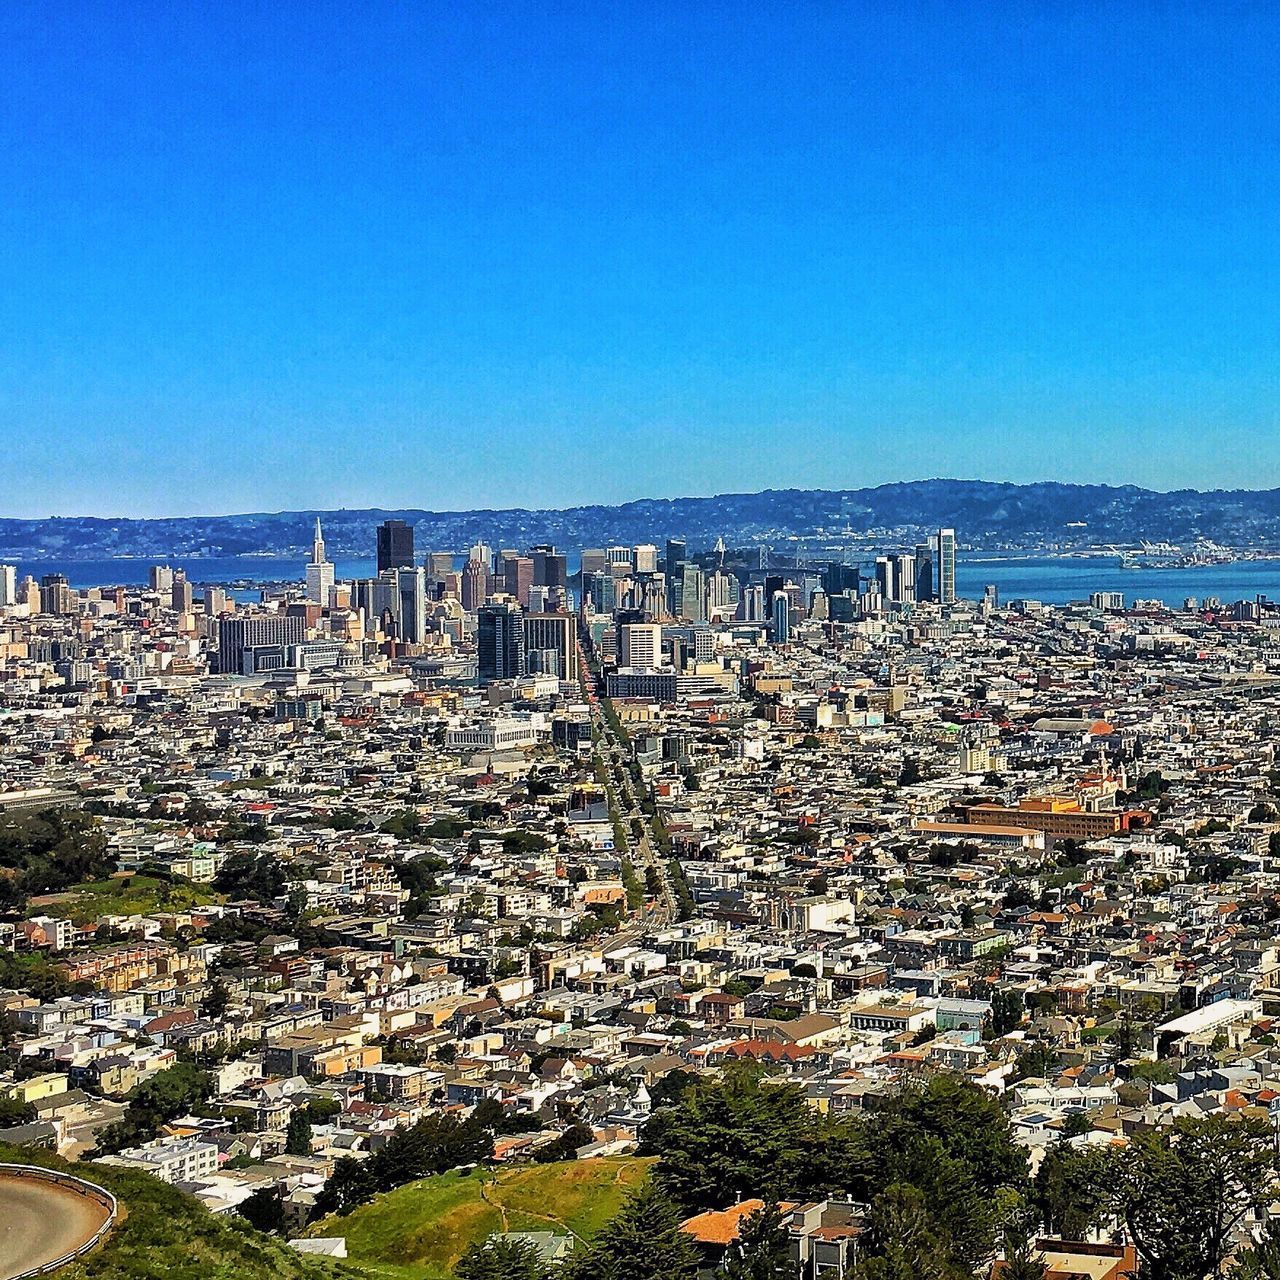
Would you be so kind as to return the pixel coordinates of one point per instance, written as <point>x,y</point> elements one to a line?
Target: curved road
<point>40,1222</point>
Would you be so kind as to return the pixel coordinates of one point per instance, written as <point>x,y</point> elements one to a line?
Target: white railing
<point>67,1181</point>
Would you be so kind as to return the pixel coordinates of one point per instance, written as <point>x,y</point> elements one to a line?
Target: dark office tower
<point>362,590</point>
<point>499,642</point>
<point>924,571</point>
<point>781,618</point>
<point>551,644</point>
<point>410,605</point>
<point>896,576</point>
<point>475,585</point>
<point>550,568</point>
<point>772,585</point>
<point>235,635</point>
<point>838,578</point>
<point>602,590</point>
<point>55,594</point>
<point>677,553</point>
<point>395,545</point>
<point>517,577</point>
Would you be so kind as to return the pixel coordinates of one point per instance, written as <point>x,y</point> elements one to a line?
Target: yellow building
<point>37,1088</point>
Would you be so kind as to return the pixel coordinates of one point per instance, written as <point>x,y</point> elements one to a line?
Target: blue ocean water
<point>1058,579</point>
<point>1052,579</point>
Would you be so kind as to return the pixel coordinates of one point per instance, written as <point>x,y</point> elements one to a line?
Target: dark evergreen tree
<point>1261,1261</point>
<point>902,1242</point>
<point>298,1140</point>
<point>348,1187</point>
<point>501,1259</point>
<point>643,1241</point>
<point>264,1209</point>
<point>1072,1191</point>
<point>1184,1192</point>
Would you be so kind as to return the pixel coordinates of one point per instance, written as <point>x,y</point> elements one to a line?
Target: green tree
<point>216,1002</point>
<point>902,1242</point>
<point>1184,1192</point>
<point>952,1143</point>
<point>258,877</point>
<point>501,1259</point>
<point>643,1241</point>
<point>1073,1187</point>
<point>348,1186</point>
<point>970,1125</point>
<point>13,1112</point>
<point>1261,1261</point>
<point>264,1209</point>
<point>298,1140</point>
<point>1022,1261</point>
<point>1006,1010</point>
<point>164,1097</point>
<point>723,1141</point>
<point>566,1146</point>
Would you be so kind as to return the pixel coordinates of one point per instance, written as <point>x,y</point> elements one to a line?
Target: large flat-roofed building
<point>235,635</point>
<point>492,735</point>
<point>1057,817</point>
<point>171,1160</point>
<point>1020,837</point>
<point>641,645</point>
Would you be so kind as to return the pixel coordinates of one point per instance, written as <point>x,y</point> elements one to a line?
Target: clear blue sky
<point>258,256</point>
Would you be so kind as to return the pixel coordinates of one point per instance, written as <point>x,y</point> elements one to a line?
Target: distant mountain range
<point>987,515</point>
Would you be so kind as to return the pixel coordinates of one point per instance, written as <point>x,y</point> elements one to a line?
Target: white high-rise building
<point>319,572</point>
<point>646,558</point>
<point>641,645</point>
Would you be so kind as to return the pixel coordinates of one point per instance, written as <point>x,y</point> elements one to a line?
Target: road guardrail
<point>68,1182</point>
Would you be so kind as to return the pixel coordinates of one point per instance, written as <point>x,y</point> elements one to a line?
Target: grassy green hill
<point>418,1231</point>
<point>125,896</point>
<point>168,1235</point>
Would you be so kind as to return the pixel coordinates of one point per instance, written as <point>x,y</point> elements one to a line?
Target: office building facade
<point>320,572</point>
<point>499,642</point>
<point>395,545</point>
<point>550,644</point>
<point>944,566</point>
<point>235,635</point>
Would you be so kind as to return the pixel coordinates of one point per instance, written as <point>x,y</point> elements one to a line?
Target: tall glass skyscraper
<point>499,642</point>
<point>944,567</point>
<point>781,609</point>
<point>395,545</point>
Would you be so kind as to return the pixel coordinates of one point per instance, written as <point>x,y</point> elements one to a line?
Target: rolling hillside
<point>418,1231</point>
<point>989,515</point>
